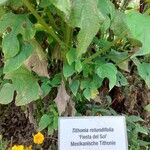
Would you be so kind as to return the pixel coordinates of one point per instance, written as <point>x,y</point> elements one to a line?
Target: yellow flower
<point>18,147</point>
<point>29,148</point>
<point>38,138</point>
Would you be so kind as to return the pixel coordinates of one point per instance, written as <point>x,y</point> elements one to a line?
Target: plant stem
<point>101,51</point>
<point>43,23</point>
<point>51,19</point>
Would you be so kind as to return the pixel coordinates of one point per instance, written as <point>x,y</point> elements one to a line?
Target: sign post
<point>93,133</point>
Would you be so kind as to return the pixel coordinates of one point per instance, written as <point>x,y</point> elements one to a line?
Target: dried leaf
<point>98,99</point>
<point>70,110</point>
<point>62,99</point>
<point>37,64</point>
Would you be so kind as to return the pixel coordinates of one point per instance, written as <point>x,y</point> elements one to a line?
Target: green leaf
<point>26,85</point>
<point>50,130</point>
<point>86,15</point>
<point>134,119</point>
<point>15,4</point>
<point>87,93</point>
<point>140,129</point>
<point>108,71</point>
<point>121,80</point>
<point>63,5</point>
<point>139,26</point>
<point>17,24</point>
<point>6,93</point>
<point>78,66</point>
<point>116,56</point>
<point>46,88</point>
<point>71,56</point>
<point>3,2</point>
<point>56,81</point>
<point>106,7</point>
<point>44,122</point>
<point>144,72</point>
<point>10,46</point>
<point>119,25</point>
<point>147,108</point>
<point>74,86</point>
<point>68,70</point>
<point>15,62</point>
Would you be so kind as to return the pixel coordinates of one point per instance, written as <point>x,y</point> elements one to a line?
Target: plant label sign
<point>93,133</point>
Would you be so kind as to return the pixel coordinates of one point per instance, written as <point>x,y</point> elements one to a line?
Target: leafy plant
<point>69,51</point>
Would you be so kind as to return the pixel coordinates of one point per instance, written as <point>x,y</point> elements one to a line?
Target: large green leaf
<point>139,26</point>
<point>26,86</point>
<point>17,24</point>
<point>10,46</point>
<point>86,15</point>
<point>108,71</point>
<point>144,72</point>
<point>119,25</point>
<point>15,62</point>
<point>6,93</point>
<point>63,5</point>
<point>106,7</point>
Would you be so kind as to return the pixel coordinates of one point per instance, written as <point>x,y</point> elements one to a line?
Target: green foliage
<point>147,108</point>
<point>89,22</point>
<point>26,86</point>
<point>108,71</point>
<point>139,27</point>
<point>144,72</point>
<point>15,62</point>
<point>67,52</point>
<point>49,121</point>
<point>16,24</point>
<point>6,93</point>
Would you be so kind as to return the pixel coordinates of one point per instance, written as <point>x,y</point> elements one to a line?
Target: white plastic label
<point>93,133</point>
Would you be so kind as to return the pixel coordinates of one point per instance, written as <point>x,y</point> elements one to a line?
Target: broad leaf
<point>63,5</point>
<point>17,24</point>
<point>108,71</point>
<point>78,66</point>
<point>46,88</point>
<point>44,122</point>
<point>6,93</point>
<point>10,45</point>
<point>37,62</point>
<point>119,58</point>
<point>121,80</point>
<point>134,119</point>
<point>119,25</point>
<point>144,72</point>
<point>71,56</point>
<point>86,15</point>
<point>15,62</point>
<point>139,26</point>
<point>68,70</point>
<point>62,99</point>
<point>87,93</point>
<point>107,8</point>
<point>26,85</point>
<point>74,86</point>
